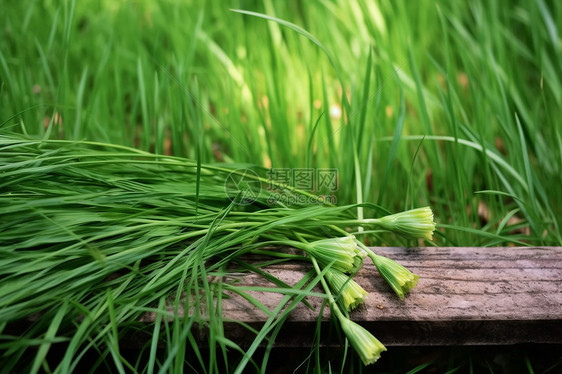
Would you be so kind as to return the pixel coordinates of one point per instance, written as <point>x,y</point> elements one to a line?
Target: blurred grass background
<point>454,104</point>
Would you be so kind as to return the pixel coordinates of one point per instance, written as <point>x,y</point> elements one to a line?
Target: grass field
<point>451,104</point>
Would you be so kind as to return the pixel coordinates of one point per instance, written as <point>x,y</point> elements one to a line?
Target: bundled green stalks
<point>95,236</point>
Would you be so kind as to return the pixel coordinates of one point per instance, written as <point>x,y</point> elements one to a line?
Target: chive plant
<point>421,98</point>
<point>95,236</point>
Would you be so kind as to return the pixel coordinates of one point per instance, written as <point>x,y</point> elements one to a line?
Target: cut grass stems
<point>94,236</point>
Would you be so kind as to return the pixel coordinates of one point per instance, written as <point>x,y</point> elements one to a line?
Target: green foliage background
<point>453,103</point>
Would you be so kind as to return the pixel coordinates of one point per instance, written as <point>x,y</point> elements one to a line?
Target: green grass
<point>450,104</point>
<point>440,101</point>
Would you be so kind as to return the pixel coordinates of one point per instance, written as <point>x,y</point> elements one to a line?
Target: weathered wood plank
<point>464,296</point>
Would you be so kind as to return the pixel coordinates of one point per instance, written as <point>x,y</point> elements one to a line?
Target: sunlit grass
<point>175,79</point>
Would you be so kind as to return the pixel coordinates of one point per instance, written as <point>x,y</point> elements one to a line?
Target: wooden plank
<point>474,296</point>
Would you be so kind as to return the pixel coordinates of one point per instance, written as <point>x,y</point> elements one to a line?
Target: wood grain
<point>464,296</point>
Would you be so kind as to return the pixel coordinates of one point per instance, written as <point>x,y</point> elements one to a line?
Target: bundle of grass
<point>93,236</point>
